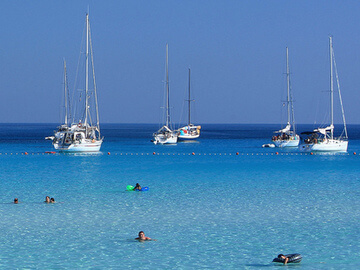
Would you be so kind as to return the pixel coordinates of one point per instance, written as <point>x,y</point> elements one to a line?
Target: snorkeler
<point>142,237</point>
<point>137,187</point>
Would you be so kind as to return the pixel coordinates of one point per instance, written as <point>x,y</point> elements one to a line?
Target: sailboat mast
<point>339,91</point>
<point>291,117</point>
<point>288,83</point>
<point>167,88</point>
<point>94,83</point>
<point>331,88</point>
<point>86,70</point>
<point>65,94</point>
<point>189,100</point>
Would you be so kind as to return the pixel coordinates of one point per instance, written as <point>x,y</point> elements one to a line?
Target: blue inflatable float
<point>143,189</point>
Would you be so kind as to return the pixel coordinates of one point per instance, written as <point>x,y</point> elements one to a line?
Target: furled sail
<point>325,130</point>
<point>284,130</point>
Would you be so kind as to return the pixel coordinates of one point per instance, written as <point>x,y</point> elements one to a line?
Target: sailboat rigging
<point>322,139</point>
<point>81,135</point>
<point>287,137</point>
<point>165,135</point>
<point>190,131</point>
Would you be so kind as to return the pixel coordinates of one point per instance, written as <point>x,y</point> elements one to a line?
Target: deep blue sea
<point>208,207</point>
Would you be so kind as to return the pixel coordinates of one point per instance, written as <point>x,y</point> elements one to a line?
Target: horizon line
<point>206,123</point>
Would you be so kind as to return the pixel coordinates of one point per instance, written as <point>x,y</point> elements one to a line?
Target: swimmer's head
<point>280,256</point>
<point>141,233</point>
<point>16,200</point>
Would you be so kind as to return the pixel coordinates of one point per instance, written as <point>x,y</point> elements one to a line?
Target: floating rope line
<point>184,154</point>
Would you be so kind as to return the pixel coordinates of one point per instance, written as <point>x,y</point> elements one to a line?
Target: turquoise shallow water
<point>214,209</point>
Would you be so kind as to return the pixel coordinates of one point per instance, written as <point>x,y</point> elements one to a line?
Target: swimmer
<point>137,187</point>
<point>283,257</point>
<point>47,199</point>
<point>142,237</point>
<point>52,200</point>
<point>16,200</point>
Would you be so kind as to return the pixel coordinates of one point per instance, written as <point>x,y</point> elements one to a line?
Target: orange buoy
<point>311,153</point>
<point>237,153</point>
<point>26,153</point>
<point>276,153</point>
<point>354,153</point>
<point>154,153</point>
<point>108,153</point>
<point>193,153</point>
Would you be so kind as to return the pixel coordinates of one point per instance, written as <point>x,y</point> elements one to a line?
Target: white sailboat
<point>287,137</point>
<point>165,135</point>
<point>322,139</point>
<point>82,135</point>
<point>190,131</point>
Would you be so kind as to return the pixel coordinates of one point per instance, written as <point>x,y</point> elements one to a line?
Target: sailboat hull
<point>189,132</point>
<point>188,137</point>
<point>330,145</point>
<point>83,146</point>
<point>167,138</point>
<point>294,142</point>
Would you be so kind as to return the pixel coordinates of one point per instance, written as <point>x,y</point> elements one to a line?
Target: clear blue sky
<point>236,51</point>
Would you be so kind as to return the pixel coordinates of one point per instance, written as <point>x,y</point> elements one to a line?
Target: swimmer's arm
<point>286,260</point>
<point>146,239</point>
<point>149,239</point>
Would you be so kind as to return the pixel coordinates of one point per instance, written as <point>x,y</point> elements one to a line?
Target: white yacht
<point>82,135</point>
<point>165,135</point>
<point>190,131</point>
<point>322,139</point>
<point>287,136</point>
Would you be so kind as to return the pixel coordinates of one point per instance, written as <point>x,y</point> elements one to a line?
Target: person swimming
<point>283,257</point>
<point>16,200</point>
<point>52,200</point>
<point>142,237</point>
<point>289,258</point>
<point>137,187</point>
<point>47,199</point>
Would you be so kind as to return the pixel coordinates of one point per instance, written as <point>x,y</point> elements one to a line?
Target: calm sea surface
<point>212,209</point>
